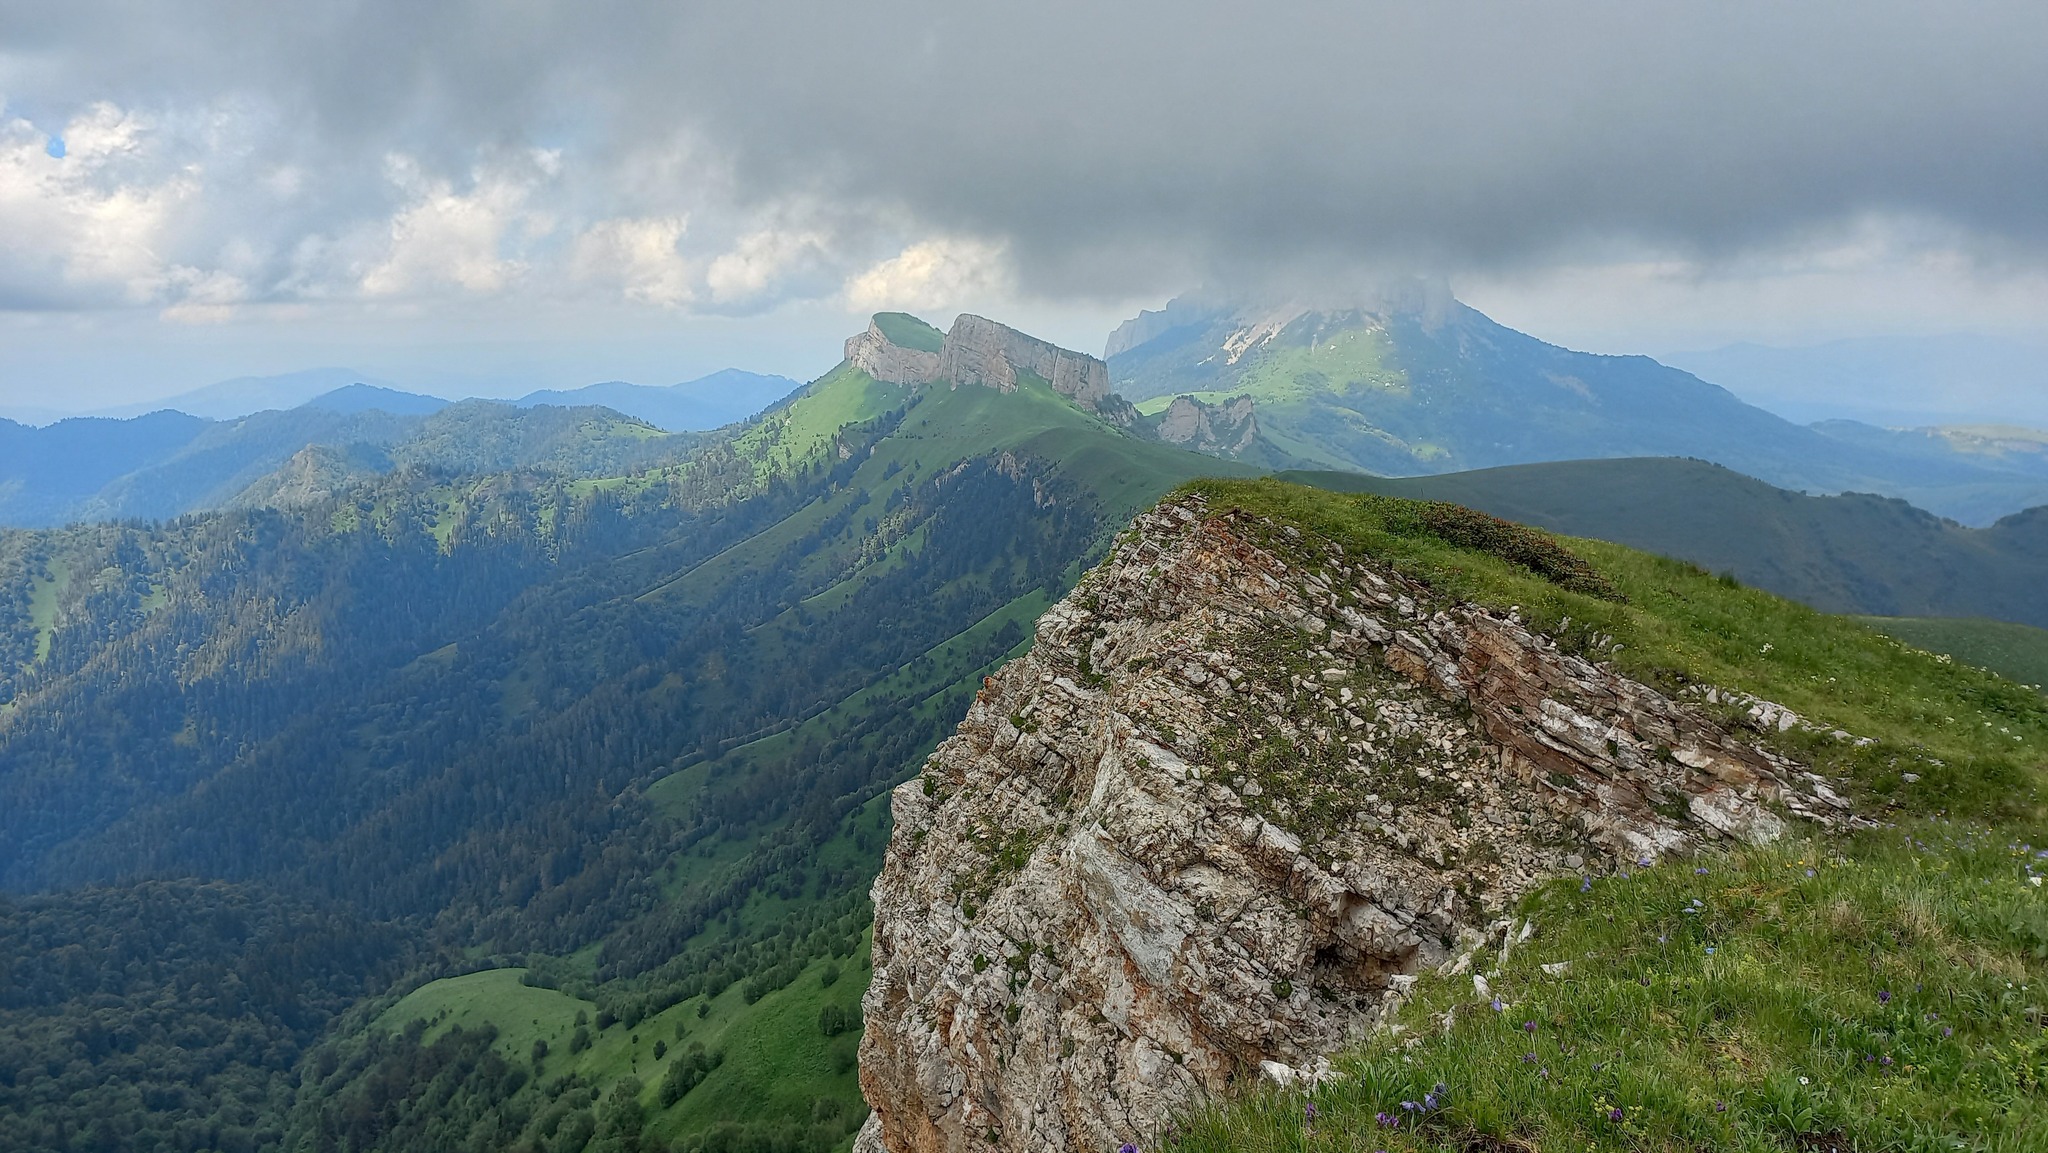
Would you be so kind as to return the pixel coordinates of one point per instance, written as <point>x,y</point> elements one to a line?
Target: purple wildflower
<point>1884,1060</point>
<point>1720,1106</point>
<point>1948,1031</point>
<point>1429,1103</point>
<point>1410,1106</point>
<point>1585,884</point>
<point>1308,1111</point>
<point>1700,872</point>
<point>1127,1147</point>
<point>1499,1005</point>
<point>1614,1114</point>
<point>1644,862</point>
<point>1884,996</point>
<point>1387,1120</point>
<point>1528,1026</point>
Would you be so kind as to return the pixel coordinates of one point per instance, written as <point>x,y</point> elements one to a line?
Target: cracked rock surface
<point>1241,784</point>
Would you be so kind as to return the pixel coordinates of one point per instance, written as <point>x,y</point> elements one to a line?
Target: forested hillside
<point>614,737</point>
<point>167,464</point>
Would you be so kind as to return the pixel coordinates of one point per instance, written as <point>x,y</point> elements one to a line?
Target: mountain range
<point>577,734</point>
<point>168,463</point>
<point>1421,384</point>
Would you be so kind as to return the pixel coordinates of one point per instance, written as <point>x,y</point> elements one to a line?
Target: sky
<point>473,197</point>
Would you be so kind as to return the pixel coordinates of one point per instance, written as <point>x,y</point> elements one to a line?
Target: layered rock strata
<point>875,354</point>
<point>978,351</point>
<point>1241,784</point>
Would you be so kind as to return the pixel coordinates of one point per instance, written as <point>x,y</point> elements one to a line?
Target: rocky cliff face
<point>1229,429</point>
<point>981,352</point>
<point>873,353</point>
<point>1240,789</point>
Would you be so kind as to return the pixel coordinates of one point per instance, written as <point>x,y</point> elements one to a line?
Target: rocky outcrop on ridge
<point>1229,429</point>
<point>873,353</point>
<point>980,351</point>
<point>1244,785</point>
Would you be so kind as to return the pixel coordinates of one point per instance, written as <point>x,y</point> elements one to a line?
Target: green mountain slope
<point>622,733</point>
<point>1847,554</point>
<point>1420,387</point>
<point>2018,653</point>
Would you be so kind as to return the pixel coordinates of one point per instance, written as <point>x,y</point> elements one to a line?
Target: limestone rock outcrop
<point>1227,429</point>
<point>979,351</point>
<point>1242,785</point>
<point>873,353</point>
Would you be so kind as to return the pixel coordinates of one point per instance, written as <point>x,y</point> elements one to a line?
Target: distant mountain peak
<point>360,397</point>
<point>897,347</point>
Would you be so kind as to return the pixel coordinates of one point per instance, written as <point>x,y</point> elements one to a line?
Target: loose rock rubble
<point>1241,790</point>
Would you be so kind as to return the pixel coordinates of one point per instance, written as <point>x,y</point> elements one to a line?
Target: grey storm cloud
<point>1126,147</point>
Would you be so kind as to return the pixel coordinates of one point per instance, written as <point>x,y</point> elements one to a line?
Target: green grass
<point>1888,991</point>
<point>907,331</point>
<point>1898,972</point>
<point>42,604</point>
<point>777,1062</point>
<point>2016,652</point>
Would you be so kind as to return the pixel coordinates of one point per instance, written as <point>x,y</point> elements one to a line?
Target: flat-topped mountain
<point>902,349</point>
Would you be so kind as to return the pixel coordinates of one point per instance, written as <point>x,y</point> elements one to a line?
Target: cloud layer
<point>723,158</point>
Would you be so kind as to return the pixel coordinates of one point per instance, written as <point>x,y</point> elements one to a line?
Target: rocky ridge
<point>1242,789</point>
<point>1229,429</point>
<point>980,351</point>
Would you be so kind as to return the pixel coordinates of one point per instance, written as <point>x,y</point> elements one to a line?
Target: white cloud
<point>443,238</point>
<point>759,261</point>
<point>636,256</point>
<point>949,272</point>
<point>90,224</point>
<point>204,297</point>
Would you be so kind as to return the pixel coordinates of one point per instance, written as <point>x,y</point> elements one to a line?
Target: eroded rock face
<point>1226,429</point>
<point>1239,785</point>
<point>873,353</point>
<point>980,351</point>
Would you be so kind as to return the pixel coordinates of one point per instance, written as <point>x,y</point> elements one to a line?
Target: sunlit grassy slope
<point>774,1057</point>
<point>1875,991</point>
<point>2015,652</point>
